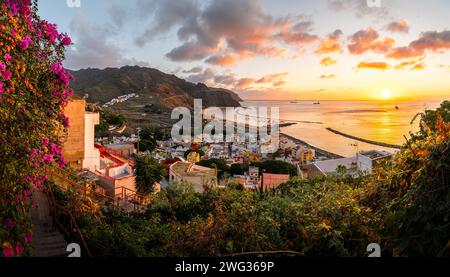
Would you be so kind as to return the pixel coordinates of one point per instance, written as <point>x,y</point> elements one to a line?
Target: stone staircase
<point>47,240</point>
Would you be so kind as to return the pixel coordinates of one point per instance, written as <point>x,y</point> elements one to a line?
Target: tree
<point>148,172</point>
<point>414,192</point>
<point>428,119</point>
<point>221,166</point>
<point>34,90</point>
<point>277,167</point>
<point>149,136</point>
<point>199,151</point>
<point>238,169</point>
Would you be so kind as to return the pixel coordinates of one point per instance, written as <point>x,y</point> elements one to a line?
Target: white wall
<point>364,164</point>
<point>91,159</point>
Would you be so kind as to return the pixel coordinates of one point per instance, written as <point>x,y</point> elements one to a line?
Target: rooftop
<point>330,166</point>
<point>186,168</point>
<point>376,154</point>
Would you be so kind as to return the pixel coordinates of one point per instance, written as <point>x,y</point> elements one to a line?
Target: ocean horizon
<point>381,121</point>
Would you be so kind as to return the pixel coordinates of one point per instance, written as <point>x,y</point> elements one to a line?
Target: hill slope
<point>153,87</point>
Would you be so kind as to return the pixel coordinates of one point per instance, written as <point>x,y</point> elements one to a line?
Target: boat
<point>294,102</point>
<point>397,108</point>
<point>317,103</point>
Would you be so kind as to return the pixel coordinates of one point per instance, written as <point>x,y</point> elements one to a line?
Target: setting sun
<point>386,94</point>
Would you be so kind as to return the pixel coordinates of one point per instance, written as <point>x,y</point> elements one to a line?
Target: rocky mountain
<point>152,87</point>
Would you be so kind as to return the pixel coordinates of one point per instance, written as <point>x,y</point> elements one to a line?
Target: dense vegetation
<point>404,206</point>
<point>33,93</point>
<point>108,119</point>
<point>270,166</point>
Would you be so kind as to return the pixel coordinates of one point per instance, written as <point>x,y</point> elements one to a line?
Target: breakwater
<point>382,144</point>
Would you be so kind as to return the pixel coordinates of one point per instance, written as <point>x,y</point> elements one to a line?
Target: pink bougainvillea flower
<point>9,224</point>
<point>19,249</point>
<point>38,33</point>
<point>50,31</point>
<point>25,43</point>
<point>65,40</point>
<point>7,57</point>
<point>48,158</point>
<point>62,162</point>
<point>2,67</point>
<point>28,238</point>
<point>6,75</point>
<point>55,150</point>
<point>8,251</point>
<point>65,121</point>
<point>45,142</point>
<point>1,88</point>
<point>19,6</point>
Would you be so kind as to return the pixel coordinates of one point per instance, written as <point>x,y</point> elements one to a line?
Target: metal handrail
<point>55,207</point>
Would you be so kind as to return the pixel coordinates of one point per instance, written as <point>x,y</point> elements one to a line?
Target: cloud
<point>244,83</point>
<point>230,81</point>
<point>404,65</point>
<point>419,66</point>
<point>401,26</point>
<point>224,59</point>
<point>360,8</point>
<point>328,61</point>
<point>226,80</point>
<point>92,47</point>
<point>369,40</point>
<point>223,32</point>
<point>202,77</point>
<point>404,53</point>
<point>275,79</point>
<point>330,76</point>
<point>374,65</point>
<point>167,15</point>
<point>431,41</point>
<point>331,44</point>
<point>117,13</point>
<point>297,36</point>
<point>196,69</point>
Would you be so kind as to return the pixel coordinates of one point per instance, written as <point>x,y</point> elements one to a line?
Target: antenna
<point>356,144</point>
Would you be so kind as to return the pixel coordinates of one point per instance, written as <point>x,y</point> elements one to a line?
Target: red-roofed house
<point>115,173</point>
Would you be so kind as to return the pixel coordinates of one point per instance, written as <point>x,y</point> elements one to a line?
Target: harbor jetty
<point>382,144</point>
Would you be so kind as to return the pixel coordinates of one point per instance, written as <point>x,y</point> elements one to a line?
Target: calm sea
<point>373,120</point>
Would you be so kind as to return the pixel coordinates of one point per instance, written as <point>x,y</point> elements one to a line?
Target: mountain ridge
<point>153,86</point>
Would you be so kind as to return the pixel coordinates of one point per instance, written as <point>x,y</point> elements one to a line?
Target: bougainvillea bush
<point>33,93</point>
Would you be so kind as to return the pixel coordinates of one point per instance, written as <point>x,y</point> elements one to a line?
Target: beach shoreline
<point>319,151</point>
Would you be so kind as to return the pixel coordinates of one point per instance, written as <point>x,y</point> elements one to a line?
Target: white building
<point>367,160</point>
<point>363,163</point>
<point>91,159</point>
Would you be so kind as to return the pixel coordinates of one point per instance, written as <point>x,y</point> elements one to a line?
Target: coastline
<point>319,151</point>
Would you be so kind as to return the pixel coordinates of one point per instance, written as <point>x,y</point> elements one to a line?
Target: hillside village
<point>108,164</point>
